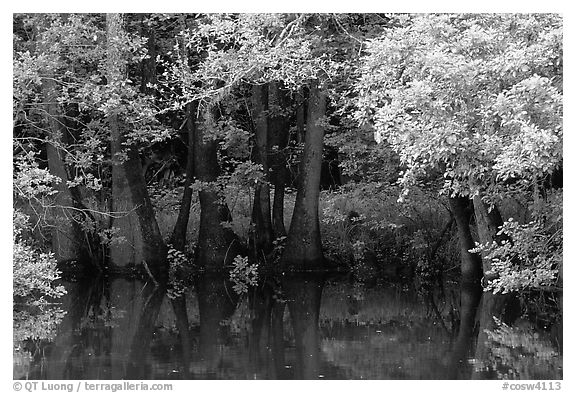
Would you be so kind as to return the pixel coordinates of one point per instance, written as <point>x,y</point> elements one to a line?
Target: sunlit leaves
<point>243,274</point>
<point>475,95</point>
<point>29,180</point>
<point>243,48</point>
<point>34,272</point>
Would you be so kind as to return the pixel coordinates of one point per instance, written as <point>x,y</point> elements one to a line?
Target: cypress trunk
<point>66,233</point>
<point>128,251</point>
<point>70,240</point>
<point>129,173</point>
<point>178,238</point>
<point>261,207</point>
<point>154,249</point>
<point>301,116</point>
<point>488,221</point>
<point>304,248</point>
<point>217,245</point>
<point>124,222</point>
<point>471,264</point>
<point>279,131</point>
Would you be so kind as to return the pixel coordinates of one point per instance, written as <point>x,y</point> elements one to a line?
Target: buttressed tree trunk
<point>261,208</point>
<point>152,247</point>
<point>69,240</point>
<point>217,245</point>
<point>471,264</point>
<point>178,238</point>
<point>66,241</point>
<point>304,248</point>
<point>279,127</point>
<point>129,249</point>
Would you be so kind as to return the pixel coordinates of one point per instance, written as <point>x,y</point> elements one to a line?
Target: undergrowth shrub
<point>366,221</point>
<point>34,271</point>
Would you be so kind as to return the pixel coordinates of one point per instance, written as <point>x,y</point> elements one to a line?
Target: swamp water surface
<point>317,328</point>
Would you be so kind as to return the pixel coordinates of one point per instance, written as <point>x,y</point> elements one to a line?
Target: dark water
<point>289,328</point>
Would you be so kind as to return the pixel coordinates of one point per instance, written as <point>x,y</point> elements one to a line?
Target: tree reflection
<point>510,347</point>
<point>102,318</point>
<point>182,322</point>
<point>216,302</point>
<point>140,344</point>
<point>266,338</point>
<point>303,296</point>
<point>470,295</point>
<point>120,328</point>
<point>492,306</point>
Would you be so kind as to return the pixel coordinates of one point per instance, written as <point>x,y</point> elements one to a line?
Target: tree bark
<point>69,240</point>
<point>65,234</point>
<point>129,250</point>
<point>217,245</point>
<point>261,207</point>
<point>304,248</point>
<point>178,238</point>
<point>471,264</point>
<point>153,249</point>
<point>279,131</point>
<point>488,222</point>
<point>301,116</point>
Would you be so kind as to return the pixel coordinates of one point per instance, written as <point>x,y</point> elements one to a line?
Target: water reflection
<point>292,327</point>
<point>303,299</point>
<point>470,296</point>
<point>216,303</point>
<point>511,347</point>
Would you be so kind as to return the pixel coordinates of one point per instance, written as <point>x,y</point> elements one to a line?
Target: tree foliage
<point>467,105</point>
<point>476,102</point>
<point>476,98</point>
